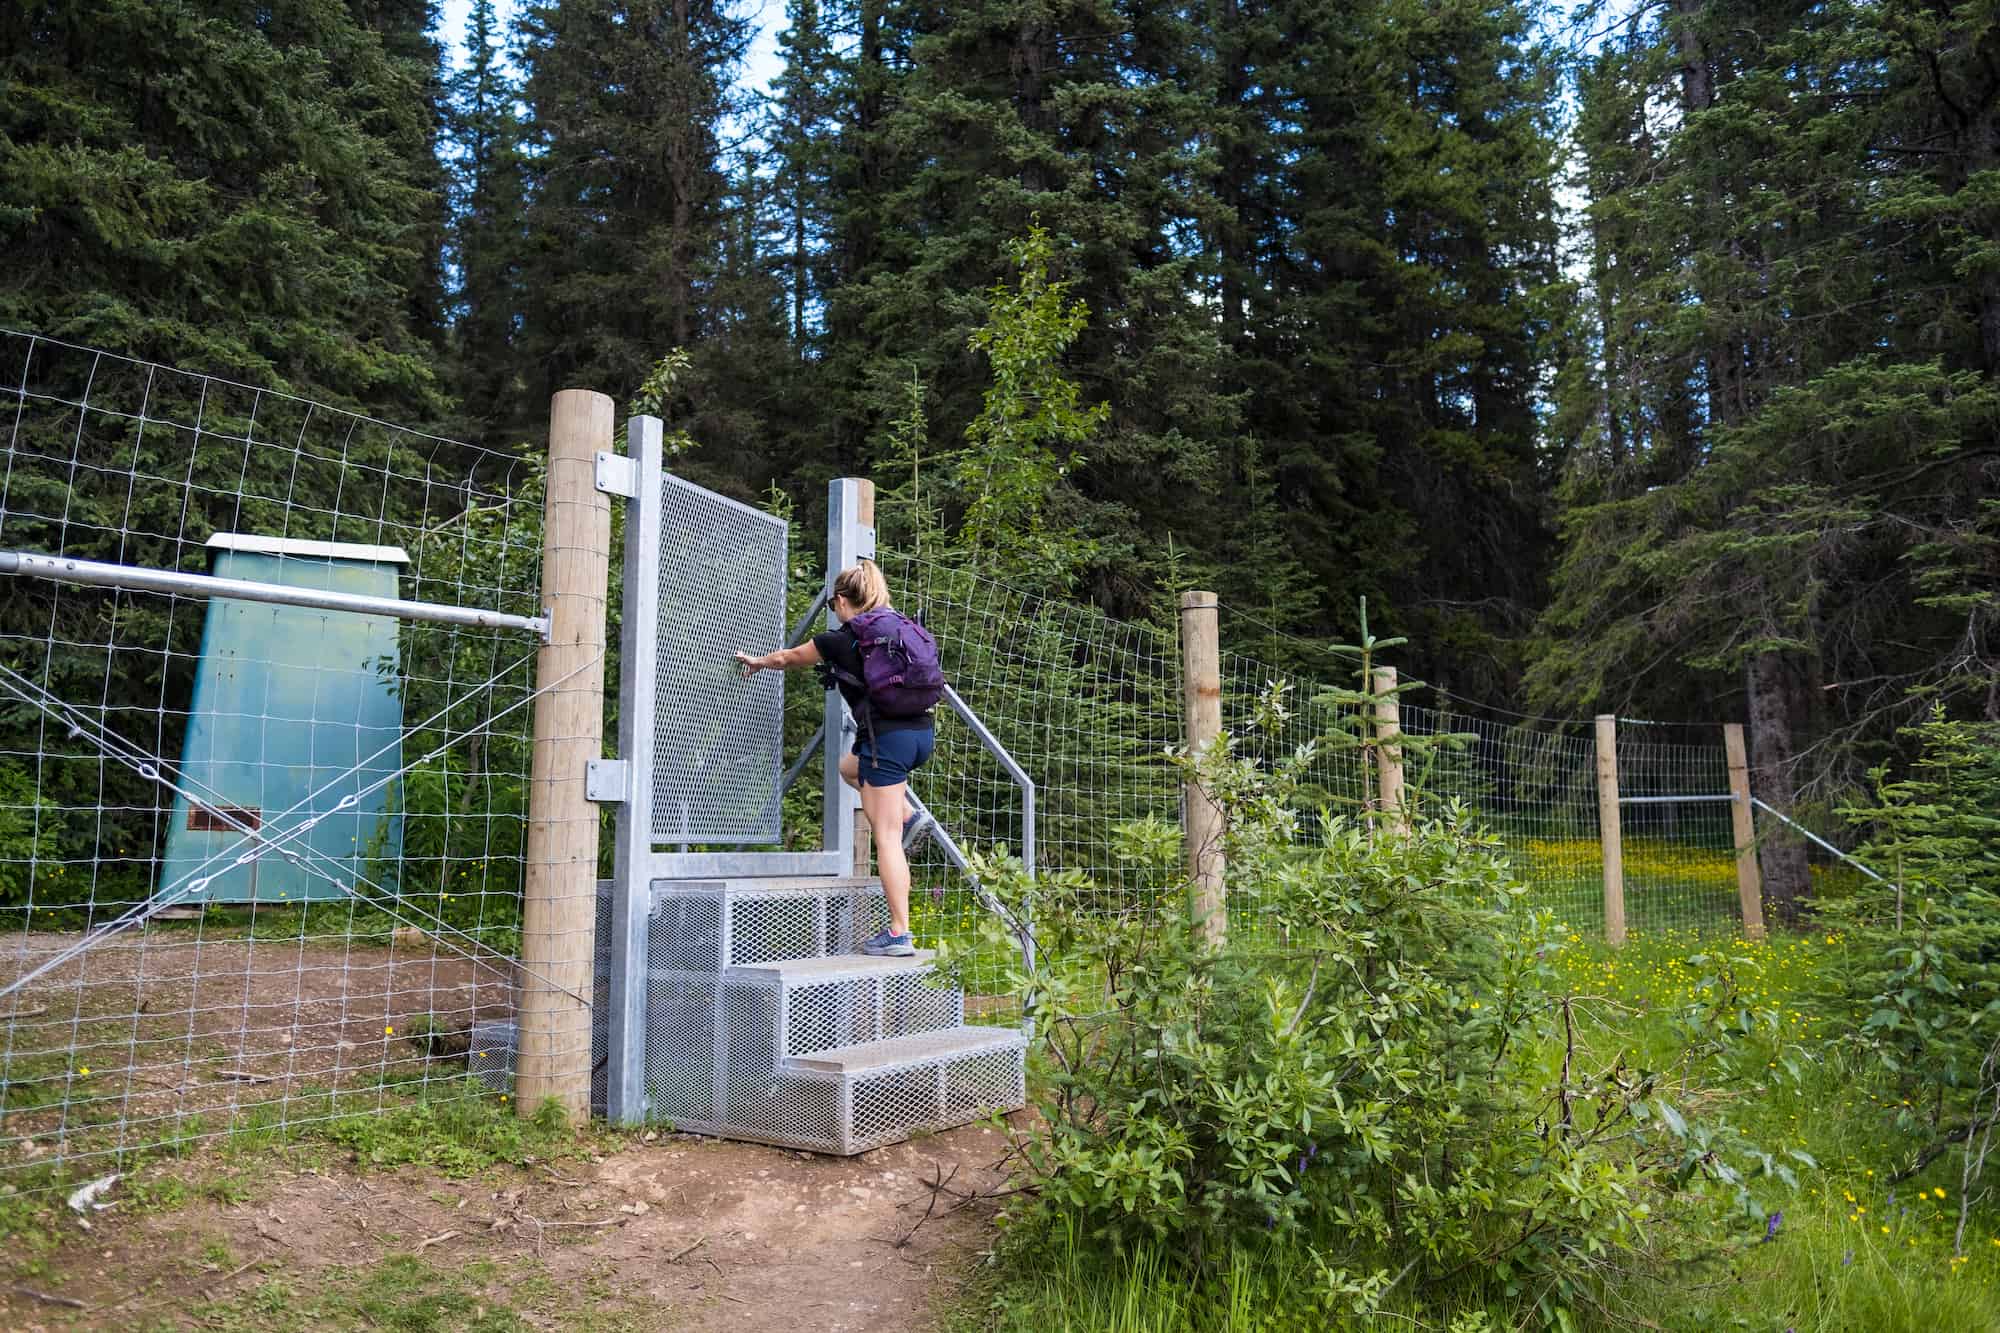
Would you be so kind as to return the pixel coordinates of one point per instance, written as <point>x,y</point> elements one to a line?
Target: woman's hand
<point>784,659</point>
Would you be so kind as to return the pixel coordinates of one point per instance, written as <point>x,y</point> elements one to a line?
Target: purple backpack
<point>899,664</point>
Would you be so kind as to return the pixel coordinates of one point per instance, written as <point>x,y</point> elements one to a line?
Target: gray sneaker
<point>886,945</point>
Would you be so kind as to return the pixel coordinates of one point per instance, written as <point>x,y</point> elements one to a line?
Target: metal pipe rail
<point>1812,837</point>
<point>1673,800</point>
<point>96,573</point>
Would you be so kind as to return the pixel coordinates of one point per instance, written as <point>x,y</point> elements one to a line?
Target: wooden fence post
<point>1749,880</point>
<point>1608,831</point>
<point>1201,687</point>
<point>559,892</point>
<point>864,834</point>
<point>1388,754</point>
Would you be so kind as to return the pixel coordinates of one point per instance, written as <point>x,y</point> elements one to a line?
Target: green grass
<point>1837,1263</point>
<point>406,1294</point>
<point>459,1131</point>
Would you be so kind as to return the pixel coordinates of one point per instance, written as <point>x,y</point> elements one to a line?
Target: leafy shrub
<point>27,835</point>
<point>1923,981</point>
<point>1380,1065</point>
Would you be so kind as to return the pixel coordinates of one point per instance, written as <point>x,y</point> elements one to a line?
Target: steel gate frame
<point>638,861</point>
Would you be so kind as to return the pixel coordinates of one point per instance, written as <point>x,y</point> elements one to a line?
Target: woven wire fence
<point>1090,706</point>
<point>1533,782</point>
<point>260,865</point>
<point>1087,704</point>
<point>1679,848</point>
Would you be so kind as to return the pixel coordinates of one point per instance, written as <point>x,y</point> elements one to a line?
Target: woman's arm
<point>784,659</point>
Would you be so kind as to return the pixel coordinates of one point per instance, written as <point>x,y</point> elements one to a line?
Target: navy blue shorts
<point>891,756</point>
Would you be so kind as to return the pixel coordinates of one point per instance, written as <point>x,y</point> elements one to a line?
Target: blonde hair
<point>862,587</point>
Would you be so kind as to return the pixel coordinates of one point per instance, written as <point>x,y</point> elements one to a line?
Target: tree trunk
<point>1780,853</point>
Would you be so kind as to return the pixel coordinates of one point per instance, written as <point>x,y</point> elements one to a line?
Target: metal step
<point>825,1003</point>
<point>916,1048</point>
<point>762,1022</point>
<point>777,885</point>
<point>712,924</point>
<point>831,967</point>
<point>866,1096</point>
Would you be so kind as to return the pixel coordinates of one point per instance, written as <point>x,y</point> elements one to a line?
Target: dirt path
<point>679,1233</point>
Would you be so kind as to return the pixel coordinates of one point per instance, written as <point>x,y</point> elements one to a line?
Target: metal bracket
<point>617,474</point>
<point>604,781</point>
<point>864,541</point>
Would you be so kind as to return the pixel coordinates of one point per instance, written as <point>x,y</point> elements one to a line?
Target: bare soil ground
<point>678,1233</point>
<point>121,1046</point>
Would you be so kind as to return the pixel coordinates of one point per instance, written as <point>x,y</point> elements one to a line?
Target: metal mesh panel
<point>750,1017</point>
<point>823,1015</point>
<point>981,1084</point>
<point>491,1056</point>
<point>685,932</point>
<point>718,739</point>
<point>764,929</point>
<point>682,1054</point>
<point>935,1094</point>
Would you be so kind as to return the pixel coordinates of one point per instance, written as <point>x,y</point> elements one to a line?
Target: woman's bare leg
<point>884,808</point>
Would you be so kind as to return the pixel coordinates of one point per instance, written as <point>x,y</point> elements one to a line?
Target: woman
<point>886,749</point>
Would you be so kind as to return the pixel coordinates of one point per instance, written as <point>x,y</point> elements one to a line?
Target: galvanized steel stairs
<point>765,1022</point>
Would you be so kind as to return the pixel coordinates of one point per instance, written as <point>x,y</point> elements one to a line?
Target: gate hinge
<point>604,781</point>
<point>617,474</point>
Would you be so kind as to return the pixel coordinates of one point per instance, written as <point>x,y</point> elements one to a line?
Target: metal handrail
<point>802,627</point>
<point>927,822</point>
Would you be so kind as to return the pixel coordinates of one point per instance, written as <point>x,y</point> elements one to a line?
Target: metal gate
<point>701,770</point>
<point>717,738</point>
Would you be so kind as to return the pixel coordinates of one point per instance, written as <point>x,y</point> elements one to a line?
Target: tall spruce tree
<point>487,232</point>
<point>1384,254</point>
<point>260,205</point>
<point>625,100</point>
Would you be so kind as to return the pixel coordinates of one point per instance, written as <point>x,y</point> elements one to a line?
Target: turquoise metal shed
<point>295,716</point>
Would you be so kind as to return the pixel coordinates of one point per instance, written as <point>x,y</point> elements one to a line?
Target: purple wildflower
<point>1771,1225</point>
<point>1847,1259</point>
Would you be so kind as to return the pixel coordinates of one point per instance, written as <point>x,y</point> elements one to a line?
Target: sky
<point>759,68</point>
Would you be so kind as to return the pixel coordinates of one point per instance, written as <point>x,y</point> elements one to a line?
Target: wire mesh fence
<point>1091,706</point>
<point>1678,844</point>
<point>1087,704</point>
<point>1533,782</point>
<point>259,864</point>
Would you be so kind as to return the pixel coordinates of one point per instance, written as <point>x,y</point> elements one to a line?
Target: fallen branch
<point>438,1239</point>
<point>937,1185</point>
<point>67,1302</point>
<point>679,1255</point>
<point>233,1274</point>
<point>244,1076</point>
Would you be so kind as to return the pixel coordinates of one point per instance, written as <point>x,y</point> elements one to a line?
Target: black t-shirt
<point>839,648</point>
